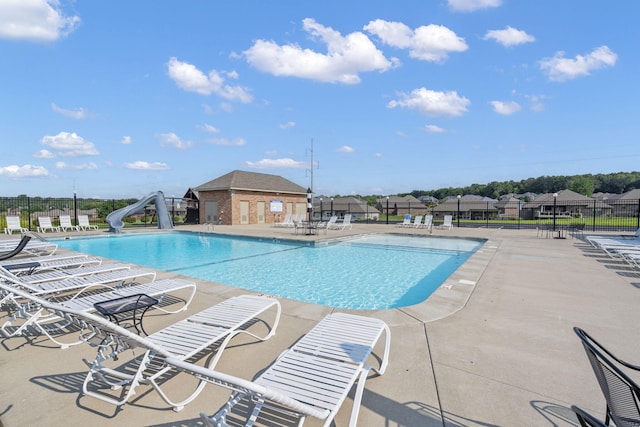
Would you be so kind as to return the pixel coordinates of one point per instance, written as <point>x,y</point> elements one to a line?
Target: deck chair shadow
<point>621,393</point>
<point>203,334</point>
<point>44,224</point>
<point>65,224</point>
<point>83,223</point>
<point>312,378</point>
<point>13,224</point>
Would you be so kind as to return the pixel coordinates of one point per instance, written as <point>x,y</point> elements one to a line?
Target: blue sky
<point>121,98</point>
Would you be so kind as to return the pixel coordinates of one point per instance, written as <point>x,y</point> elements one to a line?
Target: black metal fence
<point>30,209</point>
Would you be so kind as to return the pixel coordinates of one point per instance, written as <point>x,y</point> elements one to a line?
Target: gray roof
<point>252,181</point>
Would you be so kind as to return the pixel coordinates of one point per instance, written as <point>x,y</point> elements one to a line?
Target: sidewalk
<point>497,350</point>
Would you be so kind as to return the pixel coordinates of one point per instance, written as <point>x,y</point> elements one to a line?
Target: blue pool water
<point>366,273</point>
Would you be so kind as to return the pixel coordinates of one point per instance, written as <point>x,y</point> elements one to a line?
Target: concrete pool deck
<point>493,347</point>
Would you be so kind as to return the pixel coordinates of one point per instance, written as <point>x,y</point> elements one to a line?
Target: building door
<point>261,208</point>
<point>289,209</point>
<point>301,211</point>
<point>244,212</point>
<point>211,212</point>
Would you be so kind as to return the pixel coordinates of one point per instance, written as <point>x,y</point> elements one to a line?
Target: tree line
<point>616,183</point>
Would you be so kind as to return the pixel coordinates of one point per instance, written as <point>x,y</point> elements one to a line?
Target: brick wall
<point>229,205</point>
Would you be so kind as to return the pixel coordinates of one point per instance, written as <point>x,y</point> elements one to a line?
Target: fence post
<point>75,208</point>
<point>638,215</point>
<point>29,211</point>
<point>593,223</point>
<point>487,215</point>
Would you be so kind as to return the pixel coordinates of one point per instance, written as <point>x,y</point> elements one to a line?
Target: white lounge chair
<point>83,223</point>
<point>13,224</point>
<point>417,221</point>
<point>44,224</point>
<point>76,284</point>
<point>65,224</point>
<point>447,224</point>
<point>346,223</point>
<point>406,222</point>
<point>36,317</point>
<point>33,247</point>
<point>67,273</point>
<point>312,378</point>
<point>286,222</point>
<point>197,336</point>
<point>428,222</point>
<point>30,265</point>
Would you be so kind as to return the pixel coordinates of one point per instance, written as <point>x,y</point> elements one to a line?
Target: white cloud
<point>536,102</point>
<point>505,108</point>
<point>509,36</point>
<point>191,79</point>
<point>24,171</point>
<point>83,166</point>
<point>238,142</point>
<point>70,145</point>
<point>78,114</point>
<point>126,140</point>
<point>472,5</point>
<point>434,129</point>
<point>427,43</point>
<point>35,20</point>
<point>560,69</point>
<point>276,163</point>
<point>43,154</point>
<point>346,56</point>
<point>147,166</point>
<point>173,140</point>
<point>432,103</point>
<point>346,149</point>
<point>208,128</point>
<point>287,125</point>
<point>378,155</point>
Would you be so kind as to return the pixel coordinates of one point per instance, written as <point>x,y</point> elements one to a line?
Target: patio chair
<point>67,273</point>
<point>37,319</point>
<point>35,246</point>
<point>198,336</point>
<point>65,224</point>
<point>621,393</point>
<point>83,223</point>
<point>312,378</point>
<point>30,265</point>
<point>417,221</point>
<point>13,224</point>
<point>585,419</point>
<point>428,222</point>
<point>346,223</point>
<point>75,284</point>
<point>447,223</point>
<point>406,222</point>
<point>286,222</point>
<point>15,251</point>
<point>44,224</point>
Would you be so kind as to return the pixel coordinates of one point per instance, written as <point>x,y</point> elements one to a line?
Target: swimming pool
<point>364,273</point>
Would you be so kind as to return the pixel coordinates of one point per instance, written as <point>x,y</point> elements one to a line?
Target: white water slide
<point>114,219</point>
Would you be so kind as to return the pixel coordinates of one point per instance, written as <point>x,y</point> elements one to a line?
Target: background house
<point>324,207</point>
<point>565,204</point>
<point>241,197</point>
<point>401,205</point>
